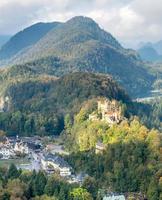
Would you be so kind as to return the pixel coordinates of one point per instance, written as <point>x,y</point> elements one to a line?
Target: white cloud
<point>128,20</point>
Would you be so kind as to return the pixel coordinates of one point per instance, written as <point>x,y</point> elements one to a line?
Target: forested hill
<point>25,38</point>
<point>81,45</point>
<point>37,104</point>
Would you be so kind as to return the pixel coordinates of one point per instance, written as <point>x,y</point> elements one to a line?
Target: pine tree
<point>12,172</point>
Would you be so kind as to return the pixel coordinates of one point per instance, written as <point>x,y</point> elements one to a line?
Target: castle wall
<point>110,110</point>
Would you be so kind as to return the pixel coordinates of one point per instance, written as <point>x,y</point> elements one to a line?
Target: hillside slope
<point>25,38</point>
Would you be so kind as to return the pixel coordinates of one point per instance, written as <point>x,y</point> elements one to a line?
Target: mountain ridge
<point>148,53</point>
<point>81,45</point>
<point>25,38</point>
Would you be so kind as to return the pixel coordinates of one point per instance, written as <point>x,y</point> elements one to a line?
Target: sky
<point>130,21</point>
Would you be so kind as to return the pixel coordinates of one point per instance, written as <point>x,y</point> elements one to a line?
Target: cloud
<point>131,21</point>
<point>144,20</point>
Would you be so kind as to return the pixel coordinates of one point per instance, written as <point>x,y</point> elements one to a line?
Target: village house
<point>114,197</point>
<point>6,148</point>
<point>57,163</point>
<point>21,148</point>
<point>10,148</point>
<point>6,153</point>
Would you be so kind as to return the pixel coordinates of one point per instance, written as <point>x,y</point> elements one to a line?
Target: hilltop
<point>39,102</point>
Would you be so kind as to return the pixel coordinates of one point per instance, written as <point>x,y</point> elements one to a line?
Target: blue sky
<point>130,21</point>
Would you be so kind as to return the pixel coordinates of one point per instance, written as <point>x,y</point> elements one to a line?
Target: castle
<point>110,111</point>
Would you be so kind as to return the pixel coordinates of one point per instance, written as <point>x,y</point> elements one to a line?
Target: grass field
<point>6,163</point>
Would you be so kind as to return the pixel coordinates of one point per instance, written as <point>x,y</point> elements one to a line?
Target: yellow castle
<point>110,111</point>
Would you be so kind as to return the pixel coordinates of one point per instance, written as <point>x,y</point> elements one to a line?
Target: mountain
<point>151,51</point>
<point>25,38</point>
<point>4,39</point>
<point>41,101</point>
<point>158,46</point>
<point>81,45</point>
<point>148,53</point>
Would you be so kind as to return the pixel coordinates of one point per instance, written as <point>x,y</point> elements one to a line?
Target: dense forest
<point>24,185</point>
<point>150,113</point>
<point>131,161</point>
<point>38,104</point>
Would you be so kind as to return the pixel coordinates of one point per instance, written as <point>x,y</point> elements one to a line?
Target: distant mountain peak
<point>82,19</point>
<point>156,45</point>
<point>151,52</point>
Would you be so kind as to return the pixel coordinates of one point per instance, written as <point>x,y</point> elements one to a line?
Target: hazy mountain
<point>4,39</point>
<point>158,47</point>
<point>25,38</point>
<point>148,53</point>
<point>151,51</point>
<point>81,45</point>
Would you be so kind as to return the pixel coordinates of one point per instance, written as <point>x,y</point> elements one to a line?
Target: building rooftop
<point>56,159</point>
<point>114,196</point>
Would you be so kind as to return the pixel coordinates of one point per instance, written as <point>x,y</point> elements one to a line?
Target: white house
<point>114,197</point>
<point>6,153</point>
<point>57,163</point>
<point>21,149</point>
